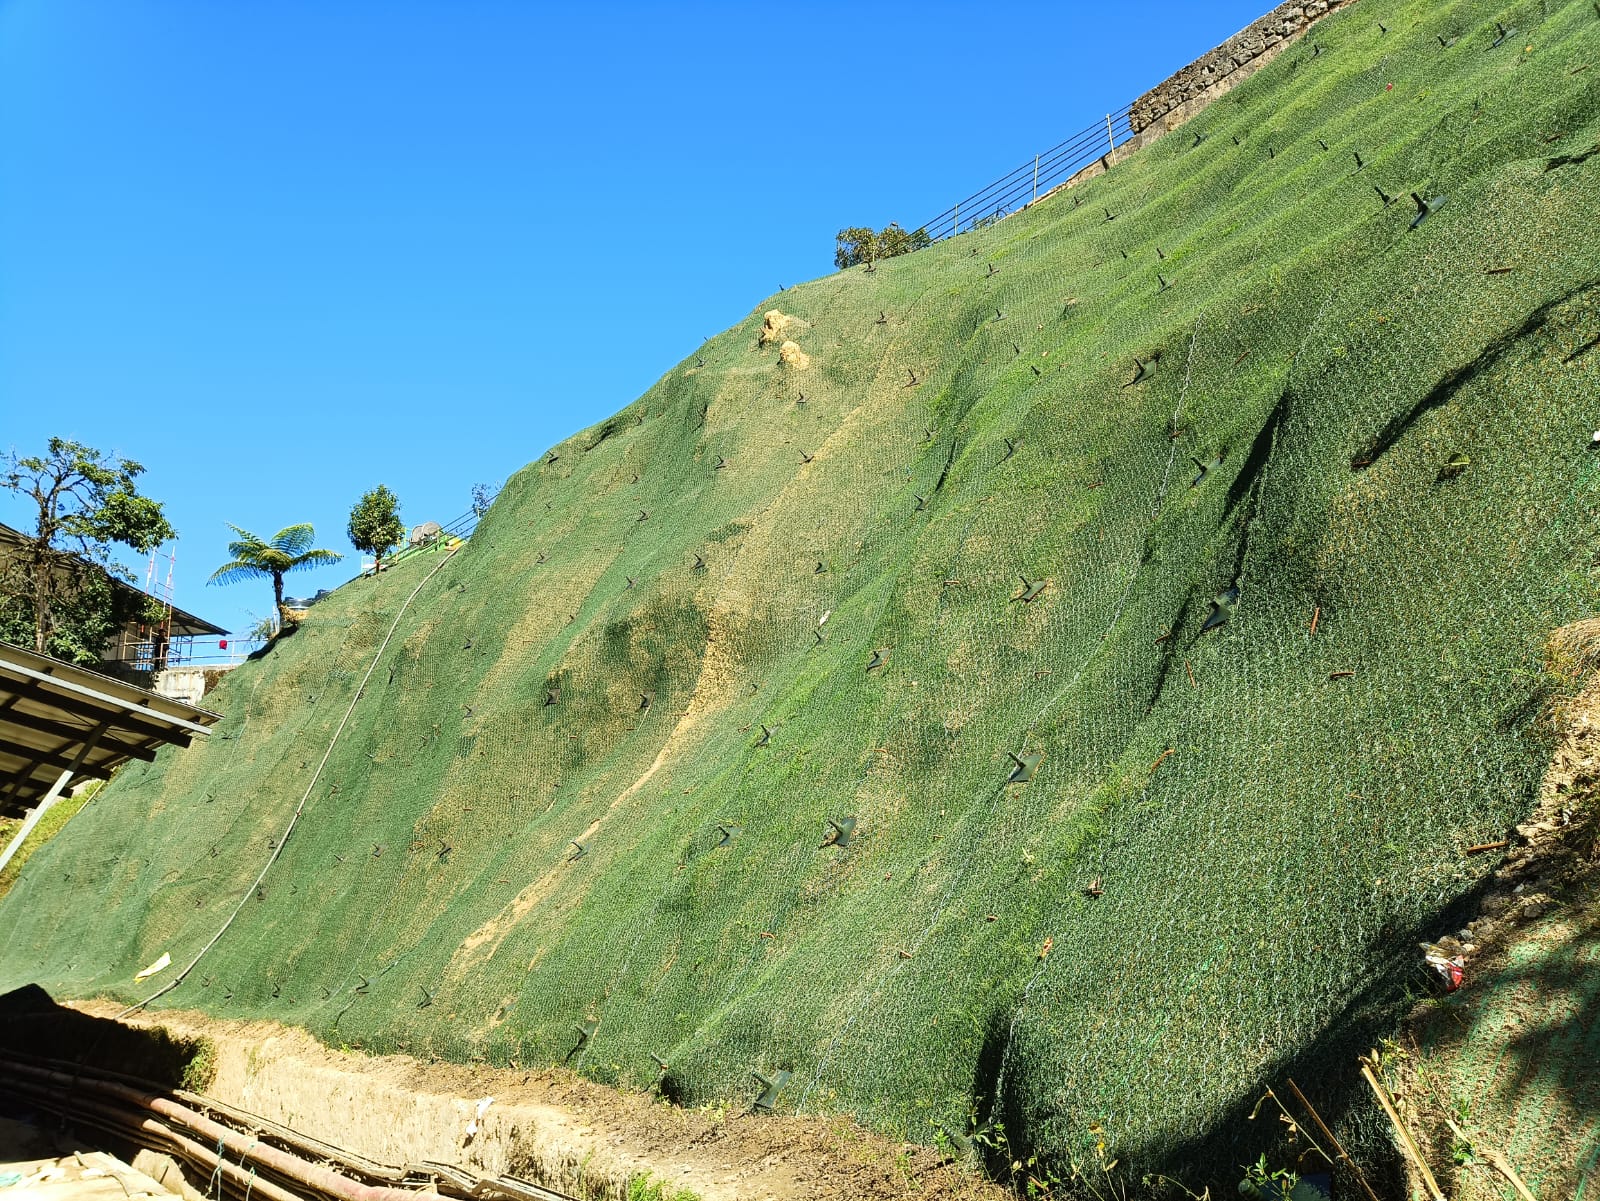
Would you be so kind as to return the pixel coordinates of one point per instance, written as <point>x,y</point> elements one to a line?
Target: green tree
<point>54,590</point>
<point>257,559</point>
<point>375,525</point>
<point>860,244</point>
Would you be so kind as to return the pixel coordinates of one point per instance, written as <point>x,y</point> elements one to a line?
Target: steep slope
<point>1225,365</point>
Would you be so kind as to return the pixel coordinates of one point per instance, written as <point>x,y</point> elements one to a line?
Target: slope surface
<point>1305,483</point>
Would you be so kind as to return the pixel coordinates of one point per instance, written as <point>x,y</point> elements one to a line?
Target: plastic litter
<point>1445,958</point>
<point>159,965</point>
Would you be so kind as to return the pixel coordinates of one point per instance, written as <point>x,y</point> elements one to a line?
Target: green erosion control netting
<point>1515,1056</point>
<point>1213,398</point>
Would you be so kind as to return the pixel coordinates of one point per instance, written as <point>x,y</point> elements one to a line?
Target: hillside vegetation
<point>1239,496</point>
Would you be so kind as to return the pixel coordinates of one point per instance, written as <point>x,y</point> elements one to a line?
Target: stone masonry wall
<point>1180,96</point>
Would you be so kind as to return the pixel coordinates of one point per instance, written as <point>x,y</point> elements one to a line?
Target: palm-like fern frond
<point>238,569</point>
<point>311,558</point>
<point>294,540</point>
<point>289,550</point>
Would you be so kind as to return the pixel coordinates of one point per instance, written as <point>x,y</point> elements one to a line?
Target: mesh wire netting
<point>1305,486</point>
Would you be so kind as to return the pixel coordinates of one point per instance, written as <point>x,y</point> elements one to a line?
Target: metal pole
<point>51,797</point>
<point>957,227</point>
<point>1111,141</point>
<point>1035,177</point>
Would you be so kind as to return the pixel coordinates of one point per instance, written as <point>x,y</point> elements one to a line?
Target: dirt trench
<point>555,1128</point>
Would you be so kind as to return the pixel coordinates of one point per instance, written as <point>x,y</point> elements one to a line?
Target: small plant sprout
<point>585,1031</point>
<point>1142,370</point>
<point>1222,609</point>
<point>840,832</point>
<point>1205,469</point>
<point>1031,590</point>
<point>1425,208</point>
<point>1024,766</point>
<point>767,1100</point>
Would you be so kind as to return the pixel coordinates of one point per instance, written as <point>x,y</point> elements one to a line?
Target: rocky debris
<point>1560,840</point>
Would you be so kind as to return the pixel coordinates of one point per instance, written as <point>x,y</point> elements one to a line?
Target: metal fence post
<point>1035,179</point>
<point>1110,140</point>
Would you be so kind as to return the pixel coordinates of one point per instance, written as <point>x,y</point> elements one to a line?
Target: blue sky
<point>280,253</point>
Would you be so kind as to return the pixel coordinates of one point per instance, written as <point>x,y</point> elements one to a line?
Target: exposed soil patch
<point>554,1127</point>
<point>1504,1068</point>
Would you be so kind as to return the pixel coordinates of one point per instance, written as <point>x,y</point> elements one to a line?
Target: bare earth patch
<point>552,1126</point>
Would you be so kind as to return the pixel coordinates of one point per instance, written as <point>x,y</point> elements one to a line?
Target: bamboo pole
<point>1409,1143</point>
<point>1328,1134</point>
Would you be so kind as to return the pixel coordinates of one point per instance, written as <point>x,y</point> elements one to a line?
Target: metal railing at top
<point>1018,189</point>
<point>458,530</point>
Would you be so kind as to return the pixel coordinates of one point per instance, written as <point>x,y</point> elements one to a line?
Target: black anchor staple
<point>839,832</point>
<point>1031,590</point>
<point>1205,468</point>
<point>1222,609</point>
<point>585,1031</point>
<point>1425,208</point>
<point>1025,766</point>
<point>1143,369</point>
<point>771,1086</point>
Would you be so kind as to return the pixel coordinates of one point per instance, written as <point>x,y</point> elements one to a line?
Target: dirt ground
<point>1503,1073</point>
<point>555,1128</point>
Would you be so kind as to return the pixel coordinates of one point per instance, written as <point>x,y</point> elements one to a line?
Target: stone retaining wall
<point>1181,96</point>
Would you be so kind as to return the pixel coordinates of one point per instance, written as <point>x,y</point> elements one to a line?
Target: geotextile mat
<point>1149,588</point>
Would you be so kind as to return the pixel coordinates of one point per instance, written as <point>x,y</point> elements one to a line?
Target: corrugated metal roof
<point>50,710</point>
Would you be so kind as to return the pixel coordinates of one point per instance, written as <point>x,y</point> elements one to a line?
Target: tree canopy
<point>55,593</point>
<point>375,525</point>
<point>860,244</point>
<point>259,558</point>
